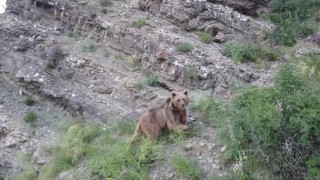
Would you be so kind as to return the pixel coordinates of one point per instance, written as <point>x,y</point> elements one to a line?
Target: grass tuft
<point>138,86</point>
<point>191,73</point>
<point>90,48</point>
<point>185,167</point>
<point>140,23</point>
<point>185,47</point>
<point>50,64</point>
<point>206,38</point>
<point>29,101</point>
<point>117,57</point>
<point>31,117</point>
<point>152,80</point>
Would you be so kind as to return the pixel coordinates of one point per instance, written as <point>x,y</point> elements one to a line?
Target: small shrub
<point>138,86</point>
<point>185,47</point>
<point>185,167</point>
<point>71,35</point>
<point>191,73</point>
<point>50,64</point>
<point>117,57</point>
<point>31,117</point>
<point>53,53</point>
<point>105,3</point>
<point>206,38</point>
<point>140,23</point>
<point>29,101</point>
<point>146,72</point>
<point>104,11</point>
<point>90,48</point>
<point>67,40</point>
<point>248,52</point>
<point>134,63</point>
<point>152,80</point>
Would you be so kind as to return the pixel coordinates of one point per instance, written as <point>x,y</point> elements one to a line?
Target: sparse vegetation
<point>191,73</point>
<point>67,40</point>
<point>90,48</point>
<point>50,64</point>
<point>28,172</point>
<point>140,23</point>
<point>152,80</point>
<point>31,117</point>
<point>185,47</point>
<point>138,86</point>
<point>134,63</point>
<point>206,38</point>
<point>104,11</point>
<point>146,72</point>
<point>105,3</point>
<point>185,167</point>
<point>71,35</point>
<point>105,153</point>
<point>271,132</point>
<point>292,18</point>
<point>29,101</point>
<point>118,57</point>
<point>240,52</point>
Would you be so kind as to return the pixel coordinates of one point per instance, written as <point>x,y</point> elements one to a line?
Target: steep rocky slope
<point>87,58</point>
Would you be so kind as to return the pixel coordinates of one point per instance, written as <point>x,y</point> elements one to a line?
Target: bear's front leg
<point>183,117</point>
<point>176,126</point>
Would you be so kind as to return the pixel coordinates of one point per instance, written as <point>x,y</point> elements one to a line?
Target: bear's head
<point>179,100</point>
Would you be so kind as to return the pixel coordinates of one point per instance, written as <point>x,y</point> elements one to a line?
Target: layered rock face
<point>90,85</point>
<point>247,7</point>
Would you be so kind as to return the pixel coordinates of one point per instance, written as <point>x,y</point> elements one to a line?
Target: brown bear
<point>172,114</point>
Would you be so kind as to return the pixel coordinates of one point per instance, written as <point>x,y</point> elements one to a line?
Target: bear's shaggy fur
<point>172,114</point>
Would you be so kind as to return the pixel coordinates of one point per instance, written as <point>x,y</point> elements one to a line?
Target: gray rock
<point>223,149</point>
<point>14,139</point>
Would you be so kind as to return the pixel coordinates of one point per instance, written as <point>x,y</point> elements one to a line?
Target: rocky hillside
<point>96,60</point>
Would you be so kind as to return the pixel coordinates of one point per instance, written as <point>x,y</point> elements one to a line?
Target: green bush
<point>50,64</point>
<point>240,52</point>
<point>71,35</point>
<point>31,117</point>
<point>152,80</point>
<point>140,23</point>
<point>206,38</point>
<point>290,17</point>
<point>105,3</point>
<point>29,101</point>
<point>134,63</point>
<point>276,128</point>
<point>185,47</point>
<point>191,73</point>
<point>138,86</point>
<point>118,57</point>
<point>90,48</point>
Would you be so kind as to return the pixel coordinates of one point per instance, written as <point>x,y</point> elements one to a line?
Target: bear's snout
<point>182,105</point>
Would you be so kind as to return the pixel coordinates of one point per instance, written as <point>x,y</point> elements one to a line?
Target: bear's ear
<point>185,92</point>
<point>173,94</point>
